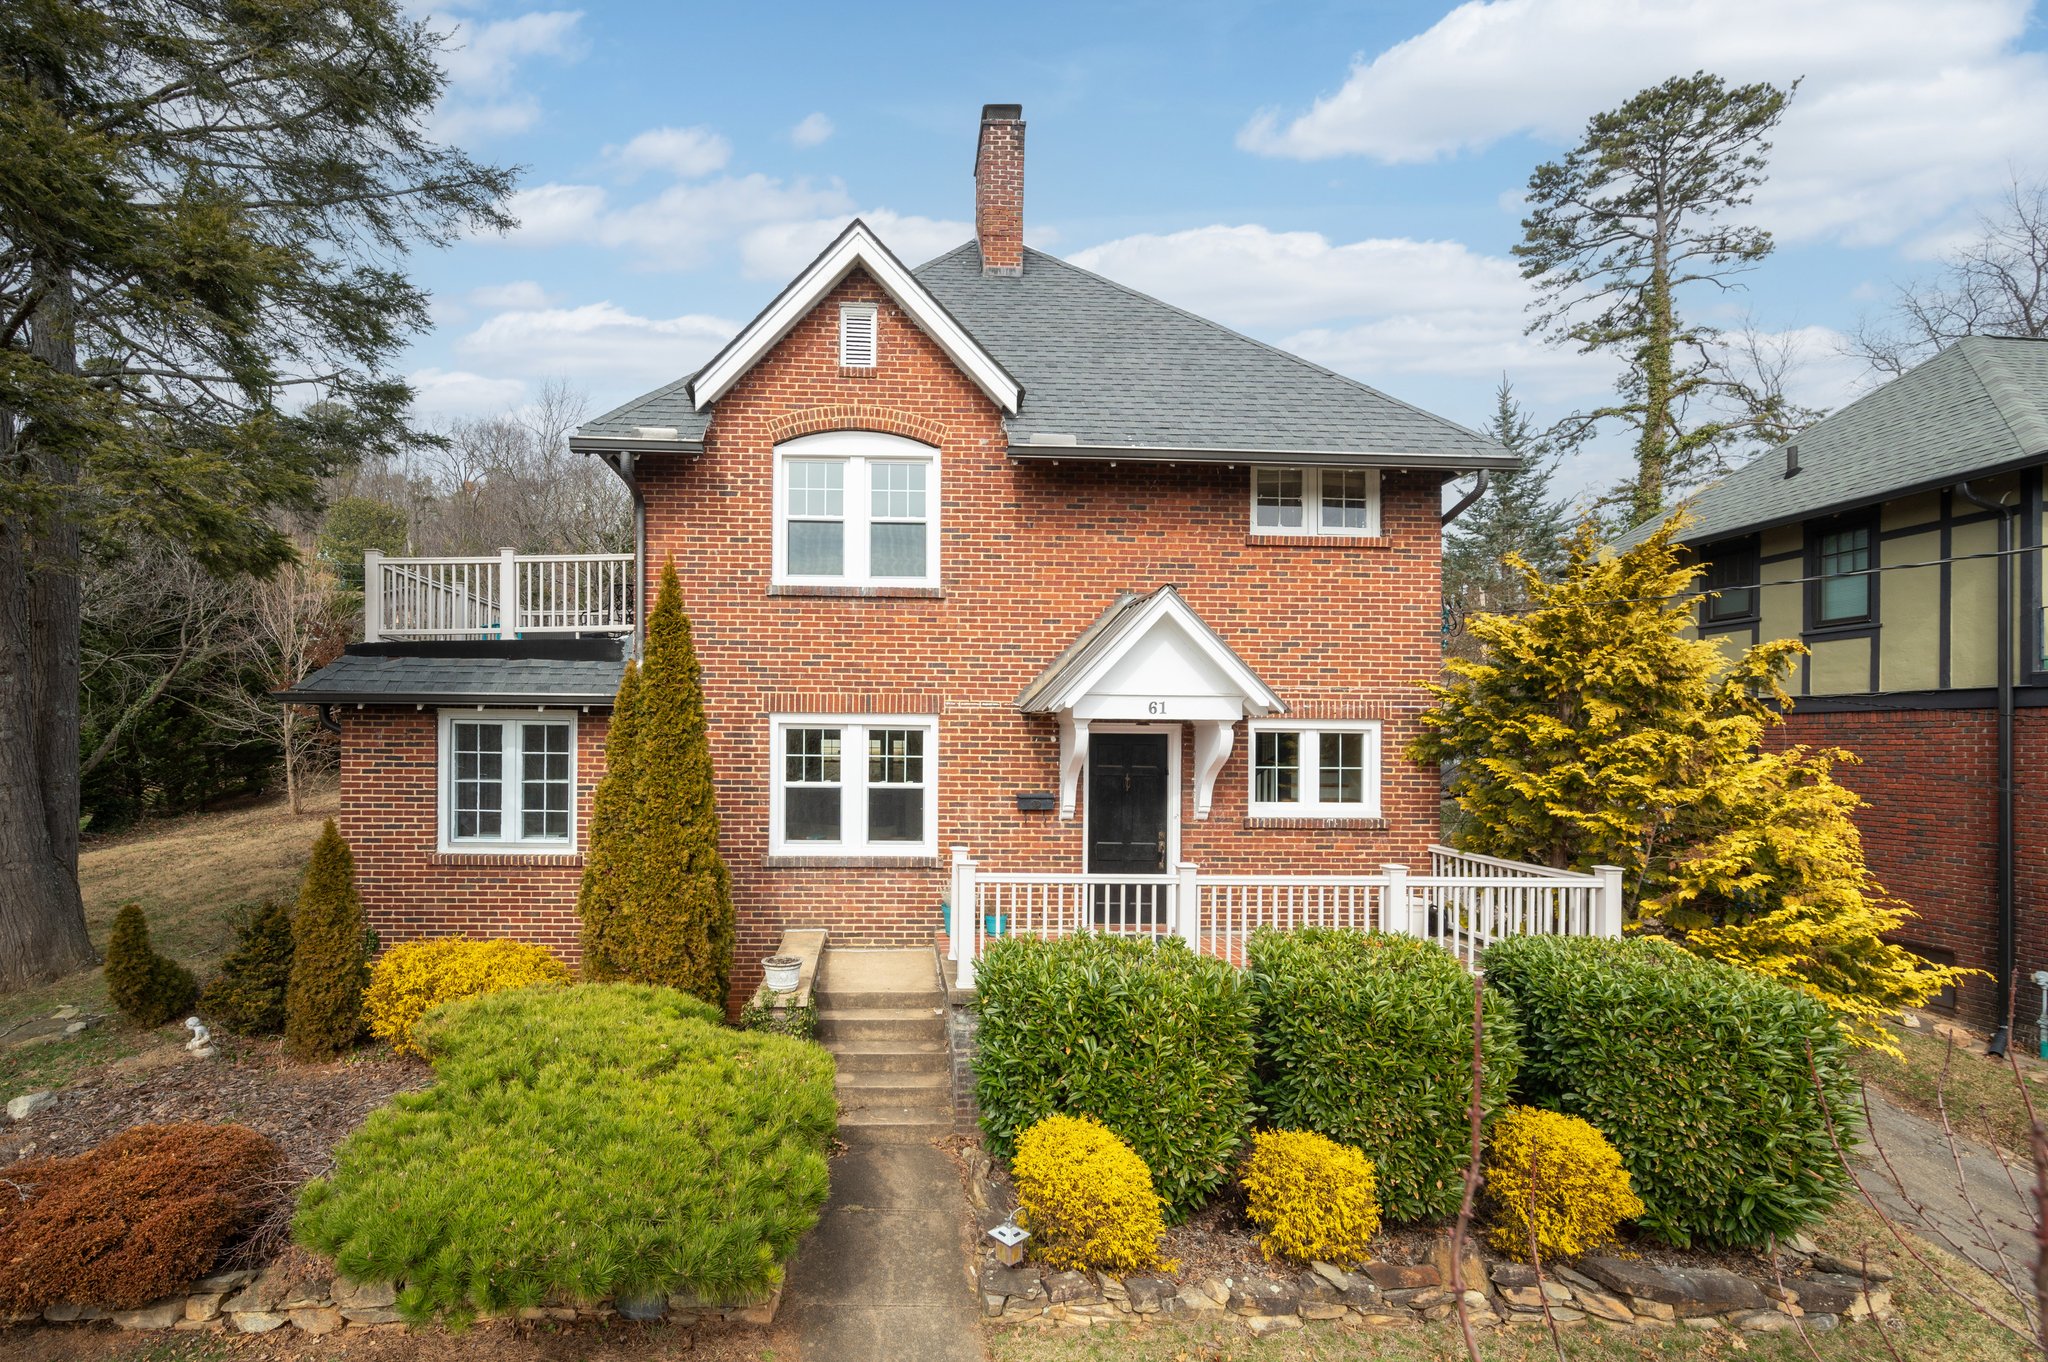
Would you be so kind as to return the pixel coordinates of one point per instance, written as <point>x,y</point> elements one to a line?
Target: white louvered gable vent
<point>857,336</point>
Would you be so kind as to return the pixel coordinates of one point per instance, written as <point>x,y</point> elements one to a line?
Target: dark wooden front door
<point>1129,783</point>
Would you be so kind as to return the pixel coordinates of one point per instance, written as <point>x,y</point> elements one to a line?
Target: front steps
<point>882,1015</point>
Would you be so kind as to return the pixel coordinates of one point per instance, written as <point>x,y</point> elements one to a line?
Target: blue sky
<point>1340,180</point>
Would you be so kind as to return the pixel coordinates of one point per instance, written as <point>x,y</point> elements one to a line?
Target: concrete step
<point>909,1025</point>
<point>895,1125</point>
<point>892,1057</point>
<point>871,1089</point>
<point>877,997</point>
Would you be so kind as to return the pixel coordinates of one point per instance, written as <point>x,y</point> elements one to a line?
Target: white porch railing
<point>507,595</point>
<point>1464,905</point>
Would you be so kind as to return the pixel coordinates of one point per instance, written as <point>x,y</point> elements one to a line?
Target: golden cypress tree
<point>676,920</point>
<point>323,1002</point>
<point>608,859</point>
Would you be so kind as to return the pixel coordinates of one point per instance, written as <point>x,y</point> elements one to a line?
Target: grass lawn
<point>1983,1101</point>
<point>1932,1327</point>
<point>188,874</point>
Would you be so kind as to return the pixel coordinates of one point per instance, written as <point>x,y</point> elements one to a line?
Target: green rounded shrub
<point>1366,1037</point>
<point>1698,1073</point>
<point>1153,1041</point>
<point>149,989</point>
<point>330,967</point>
<point>247,996</point>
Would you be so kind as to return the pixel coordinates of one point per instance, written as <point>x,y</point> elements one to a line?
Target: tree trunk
<point>42,918</point>
<point>1653,448</point>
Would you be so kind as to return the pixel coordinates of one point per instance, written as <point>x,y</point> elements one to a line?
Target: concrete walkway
<point>883,1278</point>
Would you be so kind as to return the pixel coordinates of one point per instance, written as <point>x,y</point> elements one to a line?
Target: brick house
<point>1900,539</point>
<point>992,554</point>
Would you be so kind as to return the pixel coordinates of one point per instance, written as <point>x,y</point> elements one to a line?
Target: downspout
<point>622,464</point>
<point>1481,480</point>
<point>2008,924</point>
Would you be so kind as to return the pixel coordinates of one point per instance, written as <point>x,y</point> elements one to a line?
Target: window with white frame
<point>1316,501</point>
<point>856,508</point>
<point>508,779</point>
<point>1311,769</point>
<point>854,786</point>
<point>857,338</point>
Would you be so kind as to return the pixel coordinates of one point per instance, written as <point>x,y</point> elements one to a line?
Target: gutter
<point>2008,919</point>
<point>622,462</point>
<point>1322,458</point>
<point>1480,482</point>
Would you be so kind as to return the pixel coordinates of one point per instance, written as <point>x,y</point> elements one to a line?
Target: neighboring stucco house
<point>1875,538</point>
<point>993,554</point>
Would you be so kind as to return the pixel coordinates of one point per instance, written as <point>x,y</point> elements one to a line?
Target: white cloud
<point>1906,111</point>
<point>683,152</point>
<point>777,250</point>
<point>552,214</point>
<point>674,230</point>
<point>459,122</point>
<point>483,62</point>
<point>518,293</point>
<point>814,129</point>
<point>601,343</point>
<point>458,392</point>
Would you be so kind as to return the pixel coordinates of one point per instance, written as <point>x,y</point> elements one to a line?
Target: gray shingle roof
<point>1105,366</point>
<point>1978,407</point>
<point>369,679</point>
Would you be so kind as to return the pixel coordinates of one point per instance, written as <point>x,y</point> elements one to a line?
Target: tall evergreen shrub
<point>608,858</point>
<point>330,966</point>
<point>247,996</point>
<point>150,989</point>
<point>675,924</point>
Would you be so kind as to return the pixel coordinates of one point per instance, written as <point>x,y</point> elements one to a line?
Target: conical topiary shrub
<point>608,857</point>
<point>675,926</point>
<point>148,988</point>
<point>247,996</point>
<point>330,970</point>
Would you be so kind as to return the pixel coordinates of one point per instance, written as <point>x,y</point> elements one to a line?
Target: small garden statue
<point>201,1043</point>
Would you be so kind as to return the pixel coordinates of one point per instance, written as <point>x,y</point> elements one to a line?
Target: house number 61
<point>1156,707</point>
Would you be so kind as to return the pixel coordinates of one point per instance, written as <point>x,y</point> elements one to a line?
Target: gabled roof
<point>1979,407</point>
<point>1130,618</point>
<point>1098,371</point>
<point>855,248</point>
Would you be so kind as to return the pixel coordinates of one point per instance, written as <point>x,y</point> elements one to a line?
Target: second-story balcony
<point>505,596</point>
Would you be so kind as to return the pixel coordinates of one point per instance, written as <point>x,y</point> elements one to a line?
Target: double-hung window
<point>1316,501</point>
<point>508,780</point>
<point>1843,589</point>
<point>856,508</point>
<point>1312,769</point>
<point>1733,571</point>
<point>854,786</point>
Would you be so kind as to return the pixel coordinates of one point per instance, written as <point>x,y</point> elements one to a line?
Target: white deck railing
<point>1468,903</point>
<point>507,595</point>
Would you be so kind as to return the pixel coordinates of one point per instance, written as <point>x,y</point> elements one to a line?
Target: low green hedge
<point>1151,1040</point>
<point>1366,1038</point>
<point>1698,1073</point>
<point>599,1141</point>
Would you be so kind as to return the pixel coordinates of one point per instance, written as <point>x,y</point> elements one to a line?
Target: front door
<point>1129,784</point>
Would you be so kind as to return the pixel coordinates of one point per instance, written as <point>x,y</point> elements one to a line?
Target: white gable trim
<point>857,246</point>
<point>1252,695</point>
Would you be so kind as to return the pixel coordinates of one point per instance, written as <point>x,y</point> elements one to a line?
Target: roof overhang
<point>1052,451</point>
<point>630,444</point>
<point>855,248</point>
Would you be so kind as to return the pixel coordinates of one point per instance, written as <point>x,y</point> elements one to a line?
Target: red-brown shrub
<point>133,1220</point>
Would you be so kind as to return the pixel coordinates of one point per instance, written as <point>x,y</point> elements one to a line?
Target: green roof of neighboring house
<point>1977,408</point>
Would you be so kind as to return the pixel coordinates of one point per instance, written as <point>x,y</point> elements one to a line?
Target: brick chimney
<point>999,189</point>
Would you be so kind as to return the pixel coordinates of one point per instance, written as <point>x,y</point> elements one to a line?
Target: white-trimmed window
<point>508,780</point>
<point>1306,768</point>
<point>1316,501</point>
<point>862,785</point>
<point>856,508</point>
<point>858,343</point>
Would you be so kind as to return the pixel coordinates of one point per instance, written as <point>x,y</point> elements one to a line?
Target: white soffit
<point>856,247</point>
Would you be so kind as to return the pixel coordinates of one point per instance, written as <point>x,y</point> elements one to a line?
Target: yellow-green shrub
<point>1560,1172</point>
<point>1086,1197</point>
<point>418,975</point>
<point>1314,1199</point>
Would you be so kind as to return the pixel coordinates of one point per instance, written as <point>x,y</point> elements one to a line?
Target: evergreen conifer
<point>247,996</point>
<point>148,988</point>
<point>330,968</point>
<point>608,857</point>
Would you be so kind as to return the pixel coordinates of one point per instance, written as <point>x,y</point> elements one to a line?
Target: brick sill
<point>568,859</point>
<point>1318,541</point>
<point>918,593</point>
<point>852,863</point>
<point>1335,824</point>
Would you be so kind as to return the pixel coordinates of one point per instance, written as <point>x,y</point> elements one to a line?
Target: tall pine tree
<point>608,859</point>
<point>1518,515</point>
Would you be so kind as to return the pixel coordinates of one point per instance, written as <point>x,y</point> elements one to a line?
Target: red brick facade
<point>1030,554</point>
<point>1931,831</point>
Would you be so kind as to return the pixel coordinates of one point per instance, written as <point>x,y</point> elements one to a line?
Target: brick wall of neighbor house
<point>1931,831</point>
<point>1030,555</point>
<point>389,795</point>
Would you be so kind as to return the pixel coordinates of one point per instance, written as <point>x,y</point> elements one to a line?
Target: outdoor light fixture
<point>1009,1239</point>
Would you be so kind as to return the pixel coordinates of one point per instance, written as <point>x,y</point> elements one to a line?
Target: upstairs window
<point>857,336</point>
<point>856,508</point>
<point>1316,501</point>
<point>854,786</point>
<point>1733,571</point>
<point>1315,770</point>
<point>508,781</point>
<point>1840,556</point>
